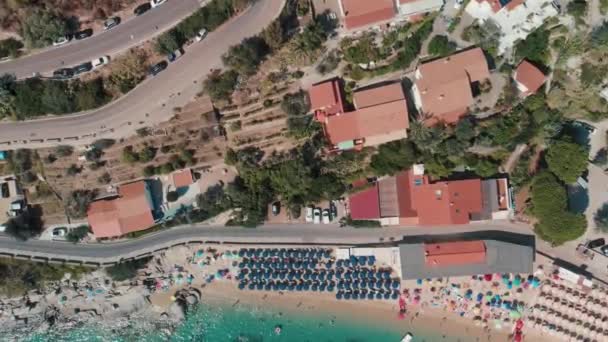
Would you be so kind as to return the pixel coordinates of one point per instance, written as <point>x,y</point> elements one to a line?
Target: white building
<point>515,18</point>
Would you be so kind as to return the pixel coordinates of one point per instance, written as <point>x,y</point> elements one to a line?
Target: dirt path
<point>514,157</point>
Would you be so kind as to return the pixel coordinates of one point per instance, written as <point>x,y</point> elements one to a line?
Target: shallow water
<point>243,324</point>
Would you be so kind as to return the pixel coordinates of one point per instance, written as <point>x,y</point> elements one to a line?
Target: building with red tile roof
<point>528,78</point>
<point>442,89</point>
<point>381,116</point>
<point>130,211</point>
<point>454,253</point>
<point>411,198</point>
<point>182,178</point>
<point>326,97</point>
<point>358,14</point>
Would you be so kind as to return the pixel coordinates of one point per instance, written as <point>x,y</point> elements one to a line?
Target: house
<point>132,210</point>
<point>380,115</point>
<point>411,198</point>
<point>12,200</point>
<point>182,178</point>
<point>444,88</point>
<point>361,15</point>
<point>516,19</point>
<point>528,78</point>
<point>452,257</point>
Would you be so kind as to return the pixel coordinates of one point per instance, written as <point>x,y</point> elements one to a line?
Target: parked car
<point>63,73</point>
<point>604,250</point>
<point>596,243</point>
<point>309,217</point>
<point>82,68</point>
<point>201,35</point>
<point>156,3</point>
<point>157,68</point>
<point>333,209</point>
<point>111,22</point>
<point>83,34</point>
<point>60,232</point>
<point>62,40</point>
<point>103,60</point>
<point>276,208</point>
<point>175,55</point>
<point>326,218</point>
<point>143,8</point>
<point>316,215</point>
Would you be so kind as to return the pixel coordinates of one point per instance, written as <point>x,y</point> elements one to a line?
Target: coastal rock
<point>177,310</point>
<point>192,300</point>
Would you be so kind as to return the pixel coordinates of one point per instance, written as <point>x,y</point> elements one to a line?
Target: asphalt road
<point>280,234</point>
<point>131,32</point>
<point>152,101</point>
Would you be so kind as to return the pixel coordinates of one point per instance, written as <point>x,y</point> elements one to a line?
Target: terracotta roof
<point>378,95</point>
<point>365,205</point>
<point>404,194</point>
<point>129,212</point>
<point>447,202</point>
<point>326,96</point>
<point>455,253</point>
<point>444,85</point>
<point>529,76</point>
<point>182,178</point>
<point>359,13</point>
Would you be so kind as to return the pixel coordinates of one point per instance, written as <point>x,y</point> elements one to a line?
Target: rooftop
<point>497,5</point>
<point>364,204</point>
<point>360,13</point>
<point>455,253</point>
<point>500,257</point>
<point>529,76</point>
<point>326,96</point>
<point>130,211</point>
<point>182,178</point>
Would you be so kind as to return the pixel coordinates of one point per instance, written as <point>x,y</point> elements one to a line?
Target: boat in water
<point>407,338</point>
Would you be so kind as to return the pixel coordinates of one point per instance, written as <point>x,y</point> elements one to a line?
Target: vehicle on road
<point>326,218</point>
<point>60,232</point>
<point>62,40</point>
<point>316,215</point>
<point>157,68</point>
<point>596,243</point>
<point>276,208</point>
<point>103,60</point>
<point>63,73</point>
<point>309,214</point>
<point>156,3</point>
<point>111,22</point>
<point>143,8</point>
<point>82,68</point>
<point>83,34</point>
<point>173,56</point>
<point>201,35</point>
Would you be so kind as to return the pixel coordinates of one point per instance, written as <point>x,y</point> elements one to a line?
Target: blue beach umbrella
<point>387,295</point>
<point>306,287</point>
<point>299,287</point>
<point>362,260</point>
<point>322,287</point>
<point>339,295</point>
<point>315,287</point>
<point>395,295</point>
<point>327,253</point>
<point>259,286</point>
<point>387,275</point>
<point>314,276</point>
<point>395,284</point>
<point>339,263</point>
<point>282,286</point>
<point>378,295</point>
<point>330,288</point>
<point>241,285</point>
<point>355,295</point>
<point>251,286</point>
<point>291,287</point>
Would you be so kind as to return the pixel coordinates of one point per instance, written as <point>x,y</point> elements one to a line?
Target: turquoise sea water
<point>244,324</point>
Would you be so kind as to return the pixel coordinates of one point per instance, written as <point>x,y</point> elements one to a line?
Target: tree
<point>126,270</point>
<point>77,203</point>
<point>465,131</point>
<point>393,157</point>
<point>7,95</point>
<point>129,156</point>
<point>578,10</point>
<point>567,160</point>
<point>440,45</point>
<point>147,154</point>
<point>172,196</point>
<point>167,42</point>
<point>535,47</point>
<point>245,57</point>
<point>24,226</point>
<point>77,234</point>
<point>601,218</point>
<point>550,205</point>
<point>105,178</point>
<point>73,170</point>
<point>221,85</point>
<point>128,70</point>
<point>231,157</point>
<point>41,27</point>
<point>273,35</point>
<point>102,144</point>
<point>10,47</point>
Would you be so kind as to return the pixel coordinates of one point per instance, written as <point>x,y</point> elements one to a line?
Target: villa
<point>444,88</point>
<point>380,115</point>
<point>515,18</point>
<point>528,78</point>
<point>411,198</point>
<point>132,210</point>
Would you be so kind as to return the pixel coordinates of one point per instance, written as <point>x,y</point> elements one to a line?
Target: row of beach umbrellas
<point>287,285</point>
<point>364,294</point>
<point>285,252</point>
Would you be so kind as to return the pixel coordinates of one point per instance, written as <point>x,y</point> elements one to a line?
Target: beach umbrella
<point>395,295</point>
<point>387,275</point>
<point>251,286</point>
<point>387,285</point>
<point>260,286</point>
<point>387,295</point>
<point>339,295</point>
<point>362,260</point>
<point>327,253</point>
<point>370,295</point>
<point>282,286</point>
<point>347,295</point>
<point>323,287</point>
<point>330,288</point>
<point>267,287</point>
<point>314,276</point>
<point>315,287</point>
<point>241,285</point>
<point>355,295</point>
<point>396,285</point>
<point>306,286</point>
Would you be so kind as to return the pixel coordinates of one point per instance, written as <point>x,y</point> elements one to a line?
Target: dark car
<point>596,243</point>
<point>111,22</point>
<point>276,208</point>
<point>63,73</point>
<point>141,9</point>
<point>83,34</point>
<point>157,68</point>
<point>175,55</point>
<point>82,68</point>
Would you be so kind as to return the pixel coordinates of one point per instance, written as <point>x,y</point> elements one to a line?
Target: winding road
<point>152,101</point>
<point>129,33</point>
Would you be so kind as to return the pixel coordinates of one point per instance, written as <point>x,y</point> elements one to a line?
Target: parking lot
<point>307,214</point>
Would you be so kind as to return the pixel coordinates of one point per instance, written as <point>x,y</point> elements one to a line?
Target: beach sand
<point>377,313</point>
